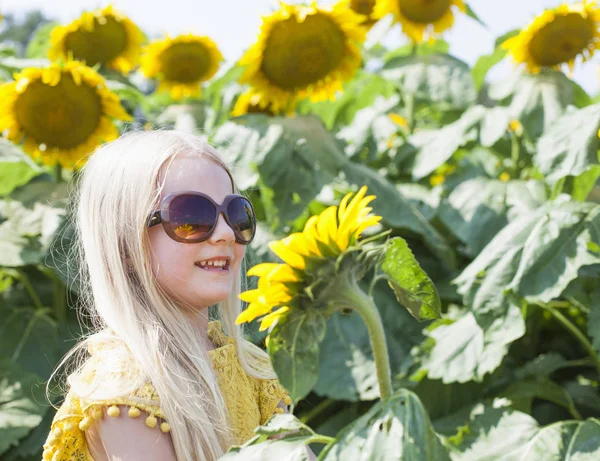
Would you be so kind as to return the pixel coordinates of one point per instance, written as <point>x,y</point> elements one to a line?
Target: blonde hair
<point>132,317</point>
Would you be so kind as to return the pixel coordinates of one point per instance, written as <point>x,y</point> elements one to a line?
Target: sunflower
<point>364,7</point>
<point>60,112</point>
<point>558,36</point>
<point>420,18</point>
<point>324,239</point>
<point>181,63</point>
<point>104,37</point>
<point>303,52</point>
<point>250,102</point>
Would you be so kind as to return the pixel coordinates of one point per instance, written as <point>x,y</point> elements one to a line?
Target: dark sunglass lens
<point>191,216</point>
<point>241,218</point>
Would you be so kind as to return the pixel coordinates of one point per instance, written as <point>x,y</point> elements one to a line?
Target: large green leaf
<point>477,209</point>
<point>470,347</point>
<point>31,217</point>
<point>291,446</point>
<point>347,367</point>
<point>294,157</point>
<point>412,286</point>
<point>394,429</point>
<point>438,79</point>
<point>566,441</point>
<point>570,146</point>
<point>493,433</point>
<point>536,255</point>
<point>21,397</point>
<point>537,100</point>
<point>397,211</point>
<point>294,350</point>
<point>16,168</point>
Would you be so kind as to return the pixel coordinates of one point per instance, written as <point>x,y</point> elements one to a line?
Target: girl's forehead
<point>197,174</point>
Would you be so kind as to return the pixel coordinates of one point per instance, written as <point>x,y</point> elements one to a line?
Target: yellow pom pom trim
<point>151,421</point>
<point>47,454</point>
<point>113,411</point>
<point>278,410</point>
<point>84,425</point>
<point>133,412</point>
<point>97,413</point>
<point>69,426</point>
<point>287,400</point>
<point>57,432</point>
<point>52,440</point>
<point>165,427</point>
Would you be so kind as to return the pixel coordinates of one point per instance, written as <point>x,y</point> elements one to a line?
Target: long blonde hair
<point>118,188</point>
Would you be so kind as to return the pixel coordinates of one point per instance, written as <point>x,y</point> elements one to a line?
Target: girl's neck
<point>200,322</point>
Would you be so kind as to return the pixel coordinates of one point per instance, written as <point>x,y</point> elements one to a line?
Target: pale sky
<point>234,24</point>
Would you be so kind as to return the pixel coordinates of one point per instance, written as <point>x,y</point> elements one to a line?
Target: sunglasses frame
<point>162,216</point>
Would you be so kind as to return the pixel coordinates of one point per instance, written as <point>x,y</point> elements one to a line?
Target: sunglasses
<point>191,217</point>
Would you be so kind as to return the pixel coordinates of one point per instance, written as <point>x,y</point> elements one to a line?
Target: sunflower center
<point>424,11</point>
<point>362,6</point>
<point>185,62</point>
<point>299,54</point>
<point>561,40</point>
<point>62,116</point>
<point>106,41</point>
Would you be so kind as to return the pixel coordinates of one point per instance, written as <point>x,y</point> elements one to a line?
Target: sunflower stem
<point>349,295</point>
<point>576,332</point>
<point>515,153</point>
<point>58,177</point>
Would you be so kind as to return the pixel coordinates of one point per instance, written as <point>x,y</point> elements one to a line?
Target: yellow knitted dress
<point>250,401</point>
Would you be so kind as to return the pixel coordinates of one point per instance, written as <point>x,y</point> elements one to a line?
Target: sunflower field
<point>426,271</point>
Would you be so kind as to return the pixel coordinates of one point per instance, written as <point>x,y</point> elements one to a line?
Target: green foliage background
<point>511,239</point>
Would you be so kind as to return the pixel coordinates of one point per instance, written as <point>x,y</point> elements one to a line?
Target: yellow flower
<point>420,18</point>
<point>324,238</point>
<point>303,52</point>
<point>104,37</point>
<point>398,120</point>
<point>558,36</point>
<point>504,177</point>
<point>364,7</point>
<point>60,112</point>
<point>181,63</point>
<point>250,103</point>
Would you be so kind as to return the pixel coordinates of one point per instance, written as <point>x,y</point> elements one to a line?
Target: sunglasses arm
<point>154,219</point>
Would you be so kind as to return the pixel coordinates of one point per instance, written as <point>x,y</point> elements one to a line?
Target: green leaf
<point>16,168</point>
<point>522,393</point>
<point>493,433</point>
<point>484,64</point>
<point>536,256</point>
<point>438,79</point>
<point>584,183</point>
<point>21,408</point>
<point>470,347</point>
<point>294,350</point>
<point>347,368</point>
<point>435,147</point>
<point>394,429</point>
<point>412,286</point>
<point>265,147</point>
<point>126,91</point>
<point>537,100</point>
<point>422,49</point>
<point>477,209</point>
<point>570,146</point>
<point>397,211</point>
<point>473,15</point>
<point>566,440</point>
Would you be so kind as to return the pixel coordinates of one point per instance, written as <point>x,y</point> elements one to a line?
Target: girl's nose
<point>222,232</point>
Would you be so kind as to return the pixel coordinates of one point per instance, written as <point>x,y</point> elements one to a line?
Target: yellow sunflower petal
<point>268,320</point>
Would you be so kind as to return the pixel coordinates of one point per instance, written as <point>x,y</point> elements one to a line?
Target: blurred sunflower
<point>303,52</point>
<point>558,36</point>
<point>181,63</point>
<point>251,103</point>
<point>324,239</point>
<point>420,18</point>
<point>60,112</point>
<point>364,7</point>
<point>104,37</point>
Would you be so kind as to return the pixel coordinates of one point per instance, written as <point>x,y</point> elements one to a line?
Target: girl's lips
<point>217,269</point>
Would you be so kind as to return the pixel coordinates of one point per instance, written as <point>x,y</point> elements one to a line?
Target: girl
<point>161,236</point>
